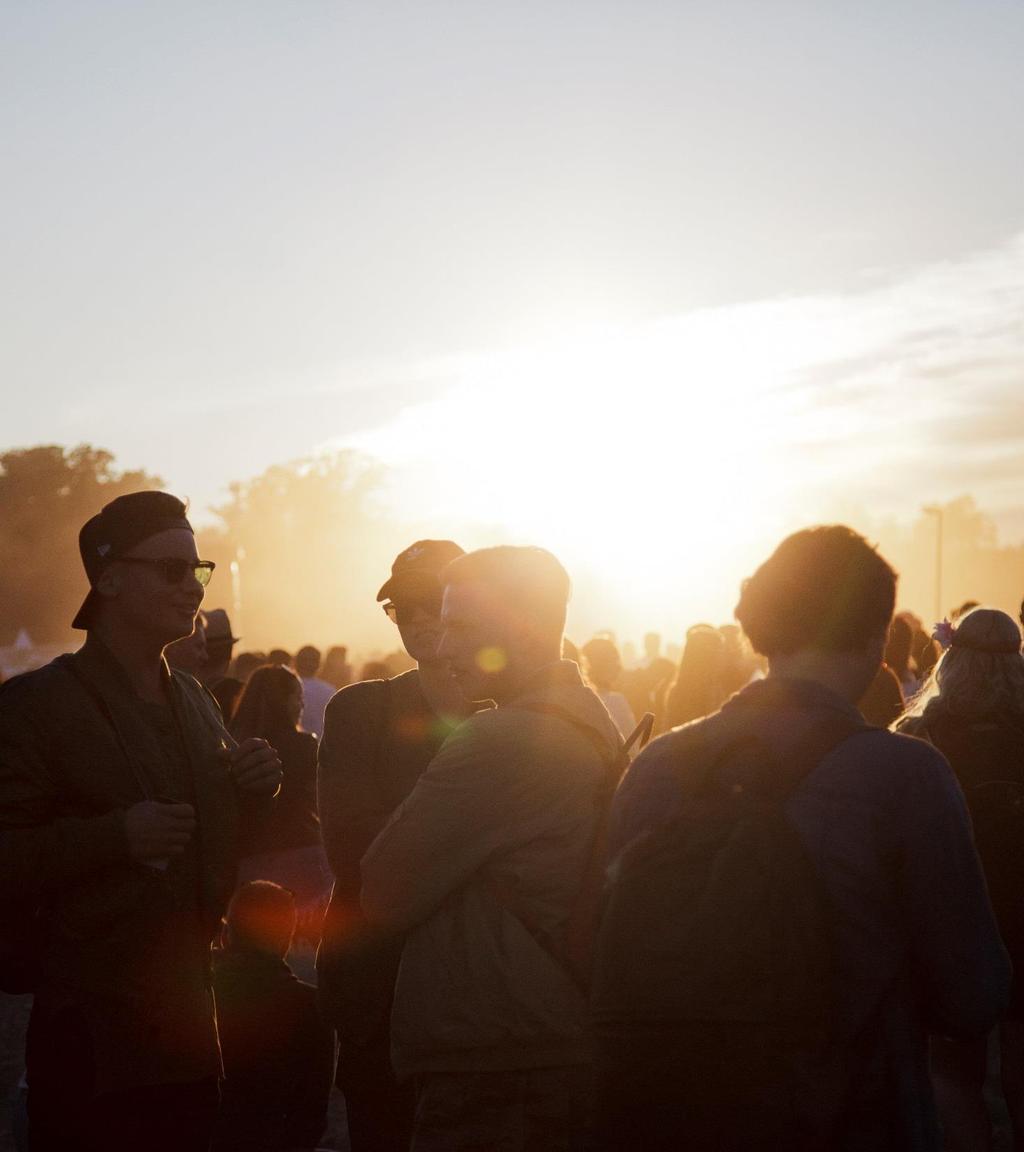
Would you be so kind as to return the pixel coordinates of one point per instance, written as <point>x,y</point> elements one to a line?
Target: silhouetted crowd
<point>467,889</point>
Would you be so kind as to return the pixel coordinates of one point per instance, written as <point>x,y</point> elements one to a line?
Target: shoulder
<point>38,688</point>
<point>355,699</point>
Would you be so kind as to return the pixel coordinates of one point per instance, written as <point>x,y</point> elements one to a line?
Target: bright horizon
<point>648,284</point>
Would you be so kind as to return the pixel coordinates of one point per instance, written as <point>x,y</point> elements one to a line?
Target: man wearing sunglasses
<point>379,736</point>
<point>121,803</point>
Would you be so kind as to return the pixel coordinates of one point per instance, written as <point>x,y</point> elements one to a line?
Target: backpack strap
<point>781,775</point>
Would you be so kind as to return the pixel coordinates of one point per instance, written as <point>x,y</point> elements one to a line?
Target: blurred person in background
<point>279,656</point>
<point>697,690</point>
<point>286,847</point>
<point>379,736</point>
<point>220,644</point>
<point>316,693</point>
<point>278,1053</point>
<point>603,667</point>
<point>972,709</point>
<point>189,653</point>
<point>245,663</point>
<point>336,669</point>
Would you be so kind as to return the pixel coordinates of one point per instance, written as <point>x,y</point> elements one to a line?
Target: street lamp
<point>936,511</point>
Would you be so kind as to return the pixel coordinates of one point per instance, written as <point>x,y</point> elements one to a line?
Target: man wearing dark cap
<point>121,801</point>
<point>378,738</point>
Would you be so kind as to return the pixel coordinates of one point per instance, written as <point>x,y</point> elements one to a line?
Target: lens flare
<point>491,660</point>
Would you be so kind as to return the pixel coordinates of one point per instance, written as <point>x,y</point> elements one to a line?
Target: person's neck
<point>441,691</point>
<point>514,680</point>
<point>834,671</point>
<point>141,657</point>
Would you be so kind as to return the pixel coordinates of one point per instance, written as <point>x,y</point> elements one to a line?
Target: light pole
<point>936,511</point>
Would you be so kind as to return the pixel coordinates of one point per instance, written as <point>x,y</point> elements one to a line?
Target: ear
<point>111,581</point>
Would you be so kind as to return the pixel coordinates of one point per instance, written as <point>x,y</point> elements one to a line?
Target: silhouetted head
<point>307,661</point>
<point>603,663</point>
<point>503,617</point>
<point>261,918</point>
<point>279,656</point>
<point>412,595</point>
<point>823,599</point>
<point>980,674</point>
<point>270,704</point>
<point>145,575</point>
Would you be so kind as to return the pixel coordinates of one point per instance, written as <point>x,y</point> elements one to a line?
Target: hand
<point>255,766</point>
<point>157,830</point>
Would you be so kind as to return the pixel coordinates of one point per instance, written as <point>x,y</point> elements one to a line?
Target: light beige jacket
<point>513,796</point>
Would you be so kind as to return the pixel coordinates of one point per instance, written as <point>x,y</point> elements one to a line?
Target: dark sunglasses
<point>405,612</point>
<point>175,570</point>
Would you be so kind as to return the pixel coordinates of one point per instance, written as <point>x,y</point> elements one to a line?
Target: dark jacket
<point>293,822</point>
<point>125,944</point>
<point>278,1056</point>
<point>379,736</point>
<point>884,821</point>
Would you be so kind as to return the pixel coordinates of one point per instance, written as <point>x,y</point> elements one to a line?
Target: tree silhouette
<point>311,549</point>
<point>46,495</point>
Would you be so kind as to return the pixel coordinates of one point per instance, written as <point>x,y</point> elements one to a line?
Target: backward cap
<point>116,529</point>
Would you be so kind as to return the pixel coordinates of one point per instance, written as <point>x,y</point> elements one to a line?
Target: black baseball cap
<point>115,530</point>
<point>416,569</point>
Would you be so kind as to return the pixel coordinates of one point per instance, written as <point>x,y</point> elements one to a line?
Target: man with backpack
<point>796,900</point>
<point>121,802</point>
<point>484,866</point>
<point>379,737</point>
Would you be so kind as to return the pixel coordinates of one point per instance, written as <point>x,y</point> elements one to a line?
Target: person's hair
<point>979,674</point>
<point>246,663</point>
<point>261,917</point>
<point>899,645</point>
<point>262,707</point>
<point>525,583</point>
<point>307,660</point>
<point>604,664</point>
<point>336,669</point>
<point>696,689</point>
<point>824,588</point>
<point>279,656</point>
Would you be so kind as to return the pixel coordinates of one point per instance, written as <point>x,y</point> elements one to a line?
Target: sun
<point>656,463</point>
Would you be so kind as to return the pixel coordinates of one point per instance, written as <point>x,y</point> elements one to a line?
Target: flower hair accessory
<point>944,633</point>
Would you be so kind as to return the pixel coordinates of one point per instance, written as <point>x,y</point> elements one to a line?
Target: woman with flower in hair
<point>971,708</point>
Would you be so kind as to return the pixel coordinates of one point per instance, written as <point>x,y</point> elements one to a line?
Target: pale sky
<point>480,234</point>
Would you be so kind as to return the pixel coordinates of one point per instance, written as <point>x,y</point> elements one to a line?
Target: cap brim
<point>410,584</point>
<point>83,617</point>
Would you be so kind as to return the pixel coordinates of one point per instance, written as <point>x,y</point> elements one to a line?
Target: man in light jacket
<point>484,864</point>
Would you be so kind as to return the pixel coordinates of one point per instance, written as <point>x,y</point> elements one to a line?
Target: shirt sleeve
<point>454,819</point>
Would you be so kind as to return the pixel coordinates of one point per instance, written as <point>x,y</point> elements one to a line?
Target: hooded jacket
<point>509,805</point>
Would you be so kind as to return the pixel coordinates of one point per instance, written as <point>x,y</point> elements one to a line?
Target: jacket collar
<point>105,671</point>
<point>557,674</point>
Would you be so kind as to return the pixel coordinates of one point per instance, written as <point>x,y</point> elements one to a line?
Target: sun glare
<point>674,445</point>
